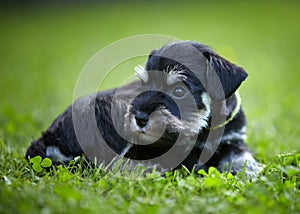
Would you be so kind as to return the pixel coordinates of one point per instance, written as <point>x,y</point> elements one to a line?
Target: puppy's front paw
<point>241,162</point>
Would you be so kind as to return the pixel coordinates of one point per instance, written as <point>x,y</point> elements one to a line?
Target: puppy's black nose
<point>141,119</point>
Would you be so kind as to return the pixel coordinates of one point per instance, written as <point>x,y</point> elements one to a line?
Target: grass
<point>43,50</point>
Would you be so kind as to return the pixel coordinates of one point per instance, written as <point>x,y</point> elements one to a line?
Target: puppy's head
<point>180,82</point>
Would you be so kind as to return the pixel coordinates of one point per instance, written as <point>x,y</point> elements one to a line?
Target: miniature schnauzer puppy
<point>183,111</point>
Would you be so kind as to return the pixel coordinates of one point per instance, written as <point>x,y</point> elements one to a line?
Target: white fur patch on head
<point>141,73</point>
<point>175,74</point>
<point>204,113</point>
<point>198,120</point>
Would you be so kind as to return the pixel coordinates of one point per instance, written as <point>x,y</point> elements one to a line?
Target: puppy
<point>183,111</point>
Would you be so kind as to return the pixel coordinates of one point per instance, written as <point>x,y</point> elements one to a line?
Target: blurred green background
<point>43,48</point>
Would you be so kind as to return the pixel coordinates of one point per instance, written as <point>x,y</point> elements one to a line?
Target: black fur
<point>141,99</point>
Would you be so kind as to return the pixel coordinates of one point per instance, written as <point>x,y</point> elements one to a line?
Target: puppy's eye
<point>179,92</point>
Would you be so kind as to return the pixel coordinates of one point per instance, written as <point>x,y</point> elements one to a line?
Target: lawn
<point>43,50</point>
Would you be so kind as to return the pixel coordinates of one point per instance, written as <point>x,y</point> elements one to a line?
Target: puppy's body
<point>184,106</point>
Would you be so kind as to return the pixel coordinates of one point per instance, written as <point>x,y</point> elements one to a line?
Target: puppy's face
<point>175,99</point>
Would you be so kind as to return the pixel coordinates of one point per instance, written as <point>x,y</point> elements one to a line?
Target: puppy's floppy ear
<point>230,75</point>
